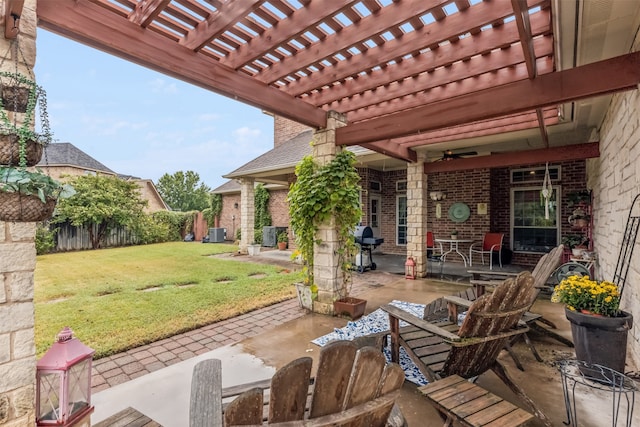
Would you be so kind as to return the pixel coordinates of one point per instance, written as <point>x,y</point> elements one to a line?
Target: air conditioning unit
<point>216,235</point>
<point>270,235</point>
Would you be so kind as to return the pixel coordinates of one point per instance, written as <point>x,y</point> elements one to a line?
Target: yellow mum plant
<point>580,293</point>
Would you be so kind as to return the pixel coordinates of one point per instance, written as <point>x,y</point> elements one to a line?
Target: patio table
<point>453,248</point>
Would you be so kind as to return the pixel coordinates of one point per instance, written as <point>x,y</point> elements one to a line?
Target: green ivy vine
<point>319,194</point>
<point>262,215</point>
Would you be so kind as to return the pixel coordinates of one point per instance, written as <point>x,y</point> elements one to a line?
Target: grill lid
<point>363,232</point>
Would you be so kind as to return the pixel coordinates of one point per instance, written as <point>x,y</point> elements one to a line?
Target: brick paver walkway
<point>122,367</point>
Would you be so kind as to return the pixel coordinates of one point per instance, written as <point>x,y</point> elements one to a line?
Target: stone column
<point>417,214</point>
<point>326,267</point>
<point>17,263</point>
<point>247,213</point>
<point>17,343</point>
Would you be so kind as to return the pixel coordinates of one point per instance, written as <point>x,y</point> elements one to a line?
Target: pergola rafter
<point>393,67</point>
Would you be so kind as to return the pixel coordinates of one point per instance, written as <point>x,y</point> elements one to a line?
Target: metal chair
<point>492,242</point>
<point>434,253</point>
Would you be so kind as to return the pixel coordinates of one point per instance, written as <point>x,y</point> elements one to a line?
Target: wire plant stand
<point>628,244</point>
<point>578,375</point>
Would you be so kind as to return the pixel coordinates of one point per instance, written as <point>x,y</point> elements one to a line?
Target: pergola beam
<point>12,13</point>
<point>93,25</point>
<point>546,90</point>
<point>519,158</point>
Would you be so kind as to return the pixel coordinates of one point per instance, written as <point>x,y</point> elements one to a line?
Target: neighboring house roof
<point>67,154</point>
<point>231,186</point>
<point>283,157</point>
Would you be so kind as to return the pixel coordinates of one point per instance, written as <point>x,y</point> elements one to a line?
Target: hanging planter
<point>28,196</point>
<point>19,144</point>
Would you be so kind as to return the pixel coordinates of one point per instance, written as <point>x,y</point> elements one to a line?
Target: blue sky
<point>143,123</point>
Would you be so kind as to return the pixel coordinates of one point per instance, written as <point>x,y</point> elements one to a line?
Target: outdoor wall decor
<point>459,212</point>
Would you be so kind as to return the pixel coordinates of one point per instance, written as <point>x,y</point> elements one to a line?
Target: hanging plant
<point>19,144</point>
<point>319,194</point>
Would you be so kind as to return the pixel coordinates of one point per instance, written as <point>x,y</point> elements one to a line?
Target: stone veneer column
<point>17,263</point>
<point>326,268</point>
<point>17,344</point>
<point>417,214</point>
<point>247,213</point>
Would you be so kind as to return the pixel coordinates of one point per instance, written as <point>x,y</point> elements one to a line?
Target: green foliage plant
<point>283,237</point>
<point>214,210</point>
<point>262,216</point>
<point>173,222</point>
<point>106,202</point>
<point>575,240</point>
<point>319,194</point>
<point>24,128</point>
<point>45,239</point>
<point>183,191</point>
<point>20,180</point>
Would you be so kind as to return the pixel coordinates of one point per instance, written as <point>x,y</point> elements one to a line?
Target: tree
<point>106,202</point>
<point>184,192</point>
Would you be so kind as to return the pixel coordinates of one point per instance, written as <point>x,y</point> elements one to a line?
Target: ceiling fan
<point>450,155</point>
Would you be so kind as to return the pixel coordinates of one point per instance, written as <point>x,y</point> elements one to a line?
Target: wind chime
<point>546,192</point>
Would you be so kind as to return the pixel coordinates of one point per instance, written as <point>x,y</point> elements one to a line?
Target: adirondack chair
<point>545,267</point>
<point>352,386</point>
<point>440,349</point>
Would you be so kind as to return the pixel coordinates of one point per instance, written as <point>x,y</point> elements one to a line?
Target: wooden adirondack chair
<point>545,267</point>
<point>441,349</point>
<point>352,386</point>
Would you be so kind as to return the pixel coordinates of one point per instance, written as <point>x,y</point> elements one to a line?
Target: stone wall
<point>17,345</point>
<point>614,178</point>
<point>17,263</point>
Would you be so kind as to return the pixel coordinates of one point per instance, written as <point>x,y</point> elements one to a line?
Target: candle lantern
<point>410,269</point>
<point>63,375</point>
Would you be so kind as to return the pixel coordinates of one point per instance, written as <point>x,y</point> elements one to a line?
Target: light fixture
<point>437,195</point>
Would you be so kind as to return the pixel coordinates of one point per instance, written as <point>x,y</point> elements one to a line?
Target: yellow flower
<point>582,293</point>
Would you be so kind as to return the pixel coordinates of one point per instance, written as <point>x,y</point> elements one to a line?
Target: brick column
<point>17,263</point>
<point>247,213</point>
<point>417,214</point>
<point>326,267</point>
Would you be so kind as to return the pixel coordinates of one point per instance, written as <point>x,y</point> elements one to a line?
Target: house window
<point>530,231</point>
<point>401,186</point>
<point>523,176</point>
<point>375,186</point>
<point>401,228</point>
<point>374,212</point>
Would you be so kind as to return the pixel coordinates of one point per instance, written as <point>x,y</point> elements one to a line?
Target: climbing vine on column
<point>262,215</point>
<point>319,194</point>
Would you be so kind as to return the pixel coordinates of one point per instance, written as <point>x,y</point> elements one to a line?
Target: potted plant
<point>579,219</point>
<point>578,243</point>
<point>19,144</point>
<point>320,194</point>
<point>283,240</point>
<point>579,198</point>
<point>597,323</point>
<point>454,234</point>
<point>28,196</point>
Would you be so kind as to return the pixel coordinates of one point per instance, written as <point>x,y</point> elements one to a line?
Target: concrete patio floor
<point>155,379</point>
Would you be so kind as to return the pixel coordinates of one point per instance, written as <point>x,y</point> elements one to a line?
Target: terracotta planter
<point>600,340</point>
<point>349,306</point>
<point>282,246</point>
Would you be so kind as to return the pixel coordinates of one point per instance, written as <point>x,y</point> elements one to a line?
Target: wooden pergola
<point>409,74</point>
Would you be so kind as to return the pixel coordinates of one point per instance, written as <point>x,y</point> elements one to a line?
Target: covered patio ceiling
<point>411,76</point>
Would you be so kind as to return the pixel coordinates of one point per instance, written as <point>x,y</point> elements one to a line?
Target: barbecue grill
<point>367,242</point>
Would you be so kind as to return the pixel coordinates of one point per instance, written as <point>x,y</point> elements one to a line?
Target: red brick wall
<point>285,129</point>
<point>229,211</point>
<point>279,209</point>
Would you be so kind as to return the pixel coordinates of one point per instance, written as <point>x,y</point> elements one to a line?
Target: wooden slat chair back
<point>352,386</point>
<point>494,317</point>
<point>440,349</point>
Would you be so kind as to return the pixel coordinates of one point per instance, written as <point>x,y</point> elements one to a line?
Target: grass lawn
<point>117,299</point>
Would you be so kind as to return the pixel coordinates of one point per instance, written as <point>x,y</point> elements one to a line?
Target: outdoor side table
<point>581,376</point>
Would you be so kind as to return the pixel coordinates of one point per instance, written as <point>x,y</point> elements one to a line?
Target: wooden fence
<point>72,238</point>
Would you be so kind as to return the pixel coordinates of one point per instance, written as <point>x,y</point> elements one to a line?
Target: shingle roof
<point>286,155</point>
<point>65,153</point>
